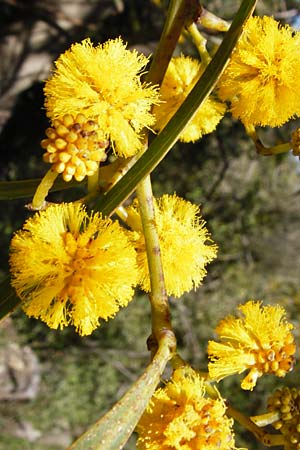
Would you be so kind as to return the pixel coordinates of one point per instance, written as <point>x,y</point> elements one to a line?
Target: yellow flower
<point>180,417</point>
<point>260,342</point>
<point>103,83</point>
<point>184,244</point>
<point>286,402</point>
<point>74,147</point>
<point>182,74</point>
<point>262,78</point>
<point>71,268</point>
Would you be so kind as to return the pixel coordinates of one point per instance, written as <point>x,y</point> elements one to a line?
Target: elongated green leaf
<point>169,135</point>
<point>8,299</point>
<point>11,190</point>
<point>112,431</point>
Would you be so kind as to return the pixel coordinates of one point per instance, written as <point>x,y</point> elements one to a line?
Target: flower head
<point>262,77</point>
<point>180,417</point>
<point>184,244</point>
<point>260,342</point>
<point>103,83</point>
<point>74,147</point>
<point>286,402</point>
<point>182,74</point>
<point>71,268</point>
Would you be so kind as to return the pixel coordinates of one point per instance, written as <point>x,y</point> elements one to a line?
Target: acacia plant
<point>76,264</point>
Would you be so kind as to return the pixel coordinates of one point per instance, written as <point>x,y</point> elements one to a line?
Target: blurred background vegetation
<point>53,384</point>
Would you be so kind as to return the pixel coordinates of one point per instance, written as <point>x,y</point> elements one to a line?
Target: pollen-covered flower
<point>182,74</point>
<point>262,77</point>
<point>104,84</point>
<point>74,147</point>
<point>286,402</point>
<point>180,417</point>
<point>71,268</point>
<point>185,244</point>
<point>260,342</point>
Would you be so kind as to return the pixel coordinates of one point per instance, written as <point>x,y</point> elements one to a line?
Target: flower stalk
<point>93,182</point>
<point>212,22</point>
<point>200,43</point>
<point>262,149</point>
<point>159,302</point>
<point>269,440</point>
<point>160,312</point>
<point>43,189</point>
<point>179,12</point>
<point>266,419</point>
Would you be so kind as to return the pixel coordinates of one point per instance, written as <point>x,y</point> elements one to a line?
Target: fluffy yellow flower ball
<point>182,75</point>
<point>262,78</point>
<point>180,417</point>
<point>104,84</point>
<point>261,342</point>
<point>71,268</point>
<point>185,244</point>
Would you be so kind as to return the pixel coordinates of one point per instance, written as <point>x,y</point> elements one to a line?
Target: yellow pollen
<point>277,362</point>
<point>77,268</point>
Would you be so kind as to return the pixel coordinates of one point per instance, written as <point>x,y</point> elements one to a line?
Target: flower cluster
<point>185,244</point>
<point>182,74</point>
<point>260,342</point>
<point>286,402</point>
<point>180,417</point>
<point>74,148</point>
<point>83,268</point>
<point>71,268</point>
<point>262,78</point>
<point>104,84</point>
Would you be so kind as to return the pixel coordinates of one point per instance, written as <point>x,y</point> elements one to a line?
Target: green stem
<point>267,151</point>
<point>177,362</point>
<point>269,440</point>
<point>122,213</point>
<point>177,15</point>
<point>109,175</point>
<point>158,297</point>
<point>179,12</point>
<point>93,182</point>
<point>212,22</point>
<point>266,419</point>
<point>43,189</point>
<point>200,43</point>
